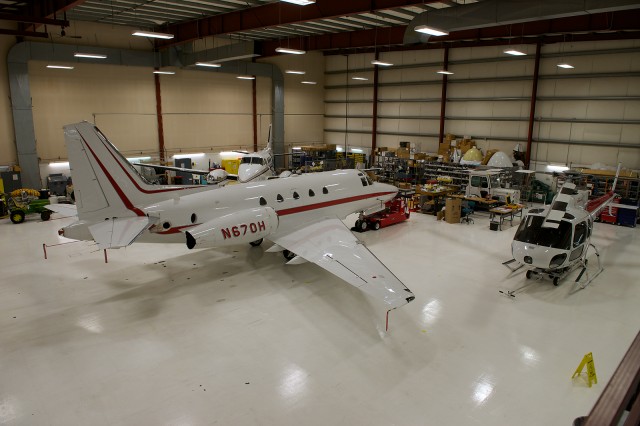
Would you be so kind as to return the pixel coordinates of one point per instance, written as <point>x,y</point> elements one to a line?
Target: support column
<point>161,149</point>
<point>532,109</point>
<point>443,99</point>
<point>374,121</point>
<point>255,114</point>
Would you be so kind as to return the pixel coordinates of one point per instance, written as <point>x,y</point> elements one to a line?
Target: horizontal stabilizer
<point>66,209</point>
<point>118,232</point>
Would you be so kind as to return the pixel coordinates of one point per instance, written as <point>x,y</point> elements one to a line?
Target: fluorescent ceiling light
<point>431,31</point>
<point>164,72</point>
<point>557,168</point>
<point>446,72</point>
<point>291,51</point>
<point>195,154</point>
<point>514,52</point>
<point>208,64</point>
<point>230,154</point>
<point>308,82</point>
<point>136,159</point>
<point>246,77</point>
<point>360,78</point>
<point>381,63</point>
<point>59,164</point>
<point>300,2</point>
<point>296,148</point>
<point>339,149</point>
<point>152,34</point>
<point>566,66</point>
<point>60,67</point>
<point>295,72</point>
<point>90,55</point>
<point>356,150</point>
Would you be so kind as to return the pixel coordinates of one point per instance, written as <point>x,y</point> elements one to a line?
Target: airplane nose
<point>384,187</point>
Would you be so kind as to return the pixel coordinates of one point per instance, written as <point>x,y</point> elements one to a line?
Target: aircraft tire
<point>45,215</point>
<point>288,254</point>
<point>529,274</point>
<point>555,281</point>
<point>256,243</point>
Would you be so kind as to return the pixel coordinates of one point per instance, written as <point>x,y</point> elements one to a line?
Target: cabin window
<point>279,198</point>
<point>325,190</point>
<point>364,181</point>
<point>193,218</point>
<point>296,196</point>
<point>263,202</point>
<point>580,234</point>
<point>476,181</point>
<point>311,193</point>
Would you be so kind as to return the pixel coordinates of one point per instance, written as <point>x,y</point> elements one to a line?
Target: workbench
<point>502,214</point>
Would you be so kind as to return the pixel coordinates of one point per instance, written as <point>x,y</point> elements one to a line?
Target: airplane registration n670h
<point>301,215</point>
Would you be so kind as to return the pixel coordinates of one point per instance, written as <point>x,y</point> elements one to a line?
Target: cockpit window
<point>280,198</point>
<point>364,181</point>
<point>369,180</point>
<point>531,231</point>
<point>580,234</point>
<point>249,159</point>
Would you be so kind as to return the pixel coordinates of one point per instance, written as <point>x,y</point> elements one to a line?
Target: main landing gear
<point>256,243</point>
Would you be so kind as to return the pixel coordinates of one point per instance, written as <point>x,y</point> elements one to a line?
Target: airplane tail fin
<point>106,185</point>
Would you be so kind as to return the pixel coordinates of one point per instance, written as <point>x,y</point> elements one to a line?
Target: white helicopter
<point>554,240</point>
<point>254,166</point>
<point>301,215</point>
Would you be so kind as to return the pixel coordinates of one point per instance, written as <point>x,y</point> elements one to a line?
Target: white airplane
<point>301,215</point>
<point>253,166</point>
<point>554,240</point>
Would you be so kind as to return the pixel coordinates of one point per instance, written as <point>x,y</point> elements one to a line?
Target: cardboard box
<point>403,153</point>
<point>404,185</point>
<point>452,210</point>
<point>466,144</point>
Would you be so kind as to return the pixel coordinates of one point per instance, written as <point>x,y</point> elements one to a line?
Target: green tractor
<point>22,202</point>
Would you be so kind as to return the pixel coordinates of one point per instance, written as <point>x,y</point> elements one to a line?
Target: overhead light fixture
<point>295,72</point>
<point>138,159</point>
<point>208,64</point>
<point>566,66</point>
<point>60,67</point>
<point>296,148</point>
<point>381,63</point>
<point>290,51</point>
<point>356,150</point>
<point>164,72</point>
<point>430,30</point>
<point>59,164</point>
<point>230,154</point>
<point>246,77</point>
<point>308,82</point>
<point>89,55</point>
<point>360,78</point>
<point>514,52</point>
<point>300,2</point>
<point>195,154</point>
<point>557,167</point>
<point>339,149</point>
<point>445,72</point>
<point>152,34</point>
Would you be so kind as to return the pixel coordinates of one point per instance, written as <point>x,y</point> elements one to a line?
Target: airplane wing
<point>330,245</point>
<point>118,232</point>
<point>66,209</point>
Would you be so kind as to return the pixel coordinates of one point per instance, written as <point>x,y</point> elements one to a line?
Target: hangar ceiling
<point>328,25</point>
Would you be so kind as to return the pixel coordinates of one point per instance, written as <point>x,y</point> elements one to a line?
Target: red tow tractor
<point>395,211</point>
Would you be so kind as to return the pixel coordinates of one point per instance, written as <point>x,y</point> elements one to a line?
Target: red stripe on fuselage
<point>300,209</point>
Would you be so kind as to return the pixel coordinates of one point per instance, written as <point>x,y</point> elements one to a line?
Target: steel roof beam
<point>273,14</point>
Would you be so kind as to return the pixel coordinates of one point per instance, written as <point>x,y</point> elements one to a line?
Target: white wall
<point>201,110</point>
<point>409,105</point>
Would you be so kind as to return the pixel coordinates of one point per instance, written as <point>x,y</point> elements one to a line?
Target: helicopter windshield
<point>531,231</point>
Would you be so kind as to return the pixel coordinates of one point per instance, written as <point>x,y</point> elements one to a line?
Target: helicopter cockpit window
<point>531,231</point>
<point>580,234</point>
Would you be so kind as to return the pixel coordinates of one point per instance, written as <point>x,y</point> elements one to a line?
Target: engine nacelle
<point>236,228</point>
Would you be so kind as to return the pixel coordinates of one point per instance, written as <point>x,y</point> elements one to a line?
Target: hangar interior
<point>160,334</point>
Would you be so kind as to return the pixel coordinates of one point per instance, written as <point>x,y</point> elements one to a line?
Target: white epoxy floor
<point>166,336</point>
